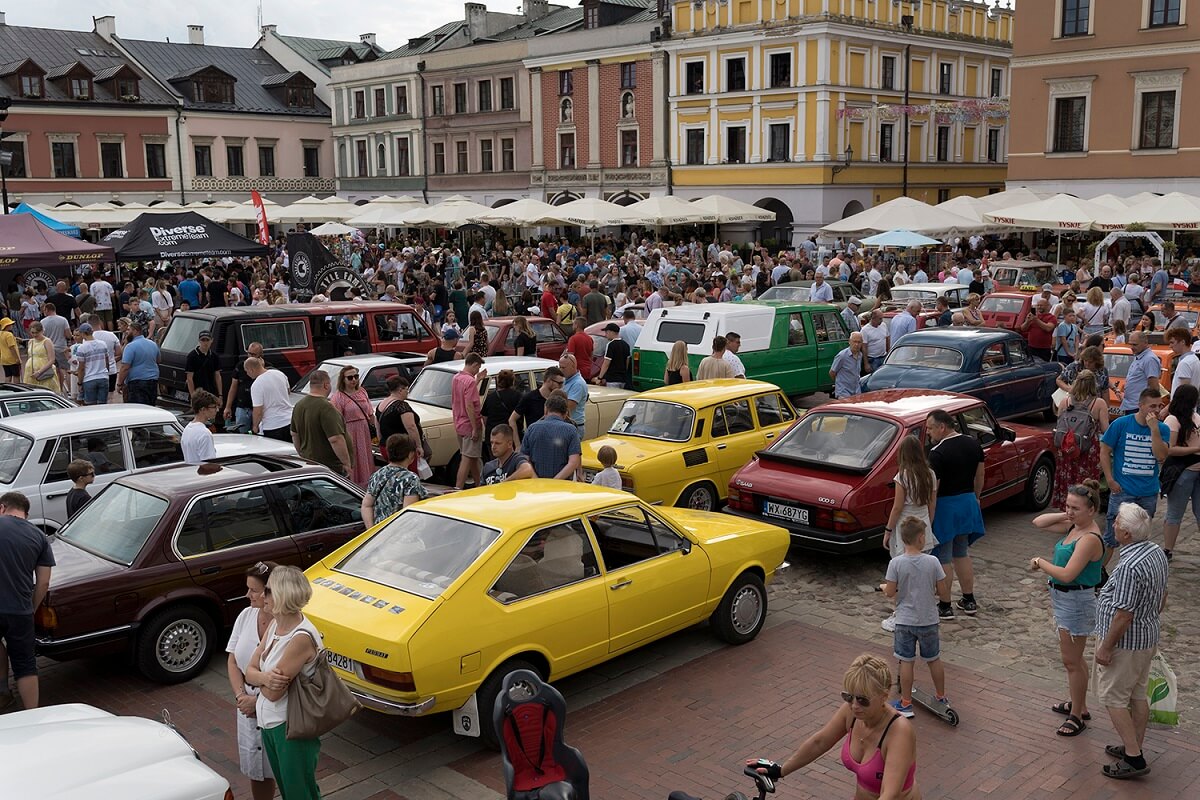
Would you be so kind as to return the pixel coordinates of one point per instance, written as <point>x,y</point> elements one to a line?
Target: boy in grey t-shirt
<point>917,581</point>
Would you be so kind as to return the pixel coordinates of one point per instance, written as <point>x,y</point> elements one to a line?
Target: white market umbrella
<point>592,212</point>
<point>1142,197</point>
<point>1010,197</point>
<point>729,210</point>
<point>1174,211</point>
<point>1062,212</point>
<point>1111,201</point>
<point>903,213</point>
<point>310,209</point>
<point>332,229</point>
<point>384,212</point>
<point>899,238</point>
<point>663,210</point>
<point>525,212</point>
<point>245,212</point>
<point>164,208</point>
<point>451,213</point>
<point>965,206</point>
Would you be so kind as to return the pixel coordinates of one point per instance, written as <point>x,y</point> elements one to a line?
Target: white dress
<point>921,512</point>
<point>252,758</point>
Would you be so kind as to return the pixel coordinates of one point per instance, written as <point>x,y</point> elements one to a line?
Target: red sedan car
<point>830,478</point>
<point>502,337</point>
<point>1007,309</point>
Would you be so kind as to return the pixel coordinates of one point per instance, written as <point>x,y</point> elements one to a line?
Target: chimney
<point>476,15</point>
<point>268,29</point>
<point>535,9</point>
<point>106,27</point>
<point>367,38</point>
<point>195,34</point>
<point>2,18</point>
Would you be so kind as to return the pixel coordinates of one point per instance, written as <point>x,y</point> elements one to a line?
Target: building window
<point>695,147</point>
<point>566,81</point>
<point>997,88</point>
<point>486,156</point>
<point>32,86</point>
<point>127,87</point>
<point>439,158</point>
<point>360,104</point>
<point>460,157</point>
<point>156,160</point>
<point>1070,117</point>
<point>1164,12</point>
<point>300,97</point>
<point>693,80</point>
<point>887,73</point>
<point>17,168</point>
<point>507,155</point>
<point>266,160</point>
<point>403,168</point>
<point>779,142</point>
<point>203,157</point>
<point>943,195</point>
<point>507,96</point>
<point>566,112</point>
<point>591,16</point>
<point>943,143</point>
<point>629,148</point>
<point>781,70</point>
<point>735,145</point>
<point>112,164</point>
<point>401,99</point>
<point>627,106</point>
<point>993,145</point>
<point>234,160</point>
<point>566,150</point>
<point>485,95</point>
<point>945,78</point>
<point>360,158</point>
<point>213,91</point>
<point>887,138</point>
<point>460,98</point>
<point>1158,120</point>
<point>312,161</point>
<point>735,75</point>
<point>81,89</point>
<point>380,102</point>
<point>381,159</point>
<point>438,94</point>
<point>629,75</point>
<point>63,156</point>
<point>1075,16</point>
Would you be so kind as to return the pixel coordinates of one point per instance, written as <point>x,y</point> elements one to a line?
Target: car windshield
<point>1117,364</point>
<point>789,293</point>
<point>901,297</point>
<point>116,523</point>
<point>419,553</point>
<point>332,370</point>
<point>924,355</point>
<point>655,419</point>
<point>1160,319</point>
<point>1002,305</point>
<point>13,449</point>
<point>432,387</point>
<point>850,441</point>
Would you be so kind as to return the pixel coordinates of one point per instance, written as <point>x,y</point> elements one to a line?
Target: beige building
<point>1099,91</point>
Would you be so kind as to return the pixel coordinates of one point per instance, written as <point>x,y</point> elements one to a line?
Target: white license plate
<point>340,661</point>
<point>787,512</point>
<point>182,396</point>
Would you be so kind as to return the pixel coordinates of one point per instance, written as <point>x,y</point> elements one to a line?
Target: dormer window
<point>81,88</point>
<point>300,97</point>
<point>591,15</point>
<point>32,85</point>
<point>213,90</point>
<point>127,87</point>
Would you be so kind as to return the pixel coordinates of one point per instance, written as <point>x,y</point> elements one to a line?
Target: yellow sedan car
<point>681,445</point>
<point>431,609</point>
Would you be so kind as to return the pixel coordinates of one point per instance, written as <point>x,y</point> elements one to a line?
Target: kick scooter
<point>931,703</point>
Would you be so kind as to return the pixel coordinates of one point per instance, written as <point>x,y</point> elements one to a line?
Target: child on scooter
<point>917,581</point>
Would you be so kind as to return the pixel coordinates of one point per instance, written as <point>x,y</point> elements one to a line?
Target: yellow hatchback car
<point>681,445</point>
<point>431,609</point>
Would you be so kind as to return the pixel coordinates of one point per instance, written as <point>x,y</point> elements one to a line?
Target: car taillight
<point>46,618</point>
<point>396,680</point>
<point>627,482</point>
<point>838,521</point>
<point>742,502</point>
<point>637,362</point>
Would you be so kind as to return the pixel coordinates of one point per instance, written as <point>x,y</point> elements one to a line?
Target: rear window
<point>1117,364</point>
<point>183,334</point>
<point>923,355</point>
<point>1003,305</point>
<point>286,335</point>
<point>789,293</point>
<point>671,331</point>
<point>850,441</point>
<point>13,449</point>
<point>116,523</point>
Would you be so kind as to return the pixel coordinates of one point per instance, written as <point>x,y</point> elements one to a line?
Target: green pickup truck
<point>791,345</point>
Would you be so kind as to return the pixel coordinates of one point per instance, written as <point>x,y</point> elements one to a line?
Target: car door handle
<point>55,495</point>
<point>316,547</point>
<point>721,447</point>
<point>770,436</point>
<point>210,570</point>
<point>620,585</point>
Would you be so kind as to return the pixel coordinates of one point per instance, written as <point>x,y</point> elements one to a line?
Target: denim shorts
<point>907,637</point>
<point>1186,488</point>
<point>1147,502</point>
<point>955,548</point>
<point>1074,612</point>
<point>95,392</point>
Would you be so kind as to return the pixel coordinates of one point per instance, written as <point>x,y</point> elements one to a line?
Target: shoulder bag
<point>318,703</point>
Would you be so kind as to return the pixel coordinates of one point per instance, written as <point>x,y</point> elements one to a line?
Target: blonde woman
<point>40,368</point>
<point>163,305</point>
<point>971,312</point>
<point>526,341</point>
<point>678,370</point>
<point>1093,314</point>
<point>248,630</point>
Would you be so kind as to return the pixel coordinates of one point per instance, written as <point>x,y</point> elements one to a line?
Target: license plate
<point>786,511</point>
<point>181,396</point>
<point>344,663</point>
<point>589,475</point>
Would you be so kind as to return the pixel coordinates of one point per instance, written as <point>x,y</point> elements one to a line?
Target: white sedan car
<point>127,757</point>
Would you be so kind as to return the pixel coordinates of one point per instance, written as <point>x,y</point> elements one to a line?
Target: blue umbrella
<point>899,239</point>
<point>53,224</point>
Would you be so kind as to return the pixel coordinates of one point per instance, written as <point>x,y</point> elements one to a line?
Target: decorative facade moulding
<point>308,185</point>
<point>946,113</point>
<point>1158,79</point>
<point>604,177</point>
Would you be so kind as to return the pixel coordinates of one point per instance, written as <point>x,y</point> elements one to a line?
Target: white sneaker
<point>889,624</point>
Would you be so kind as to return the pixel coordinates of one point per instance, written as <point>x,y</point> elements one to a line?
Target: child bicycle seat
<point>538,764</point>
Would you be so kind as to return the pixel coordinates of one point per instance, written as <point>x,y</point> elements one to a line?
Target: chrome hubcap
<point>746,610</point>
<point>701,500</point>
<point>1043,484</point>
<point>180,645</point>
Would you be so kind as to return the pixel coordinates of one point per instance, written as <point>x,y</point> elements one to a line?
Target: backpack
<point>1075,432</point>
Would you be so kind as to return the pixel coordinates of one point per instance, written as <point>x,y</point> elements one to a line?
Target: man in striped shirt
<point>1127,628</point>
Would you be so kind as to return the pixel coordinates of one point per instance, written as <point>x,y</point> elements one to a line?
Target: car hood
<point>73,564</point>
<point>706,527</point>
<point>110,757</point>
<point>432,415</point>
<point>631,450</point>
<point>911,378</point>
<point>605,394</point>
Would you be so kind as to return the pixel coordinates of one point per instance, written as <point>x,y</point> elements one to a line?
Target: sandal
<point>1073,726</point>
<point>1123,770</point>
<point>1115,750</point>
<point>1065,708</point>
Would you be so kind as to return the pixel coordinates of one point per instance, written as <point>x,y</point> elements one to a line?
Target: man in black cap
<point>204,368</point>
<point>614,370</point>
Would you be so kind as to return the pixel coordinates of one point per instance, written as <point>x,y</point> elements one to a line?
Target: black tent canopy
<point>183,235</point>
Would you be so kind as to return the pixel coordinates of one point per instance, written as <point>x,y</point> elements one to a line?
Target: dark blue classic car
<point>989,363</point>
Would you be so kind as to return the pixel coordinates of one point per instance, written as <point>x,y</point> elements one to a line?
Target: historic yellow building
<point>800,105</point>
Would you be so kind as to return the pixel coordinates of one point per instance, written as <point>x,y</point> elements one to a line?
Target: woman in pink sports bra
<point>878,745</point>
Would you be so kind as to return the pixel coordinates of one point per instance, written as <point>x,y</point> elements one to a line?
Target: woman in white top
<point>248,630</point>
<point>1093,314</point>
<point>289,647</point>
<point>916,496</point>
<point>163,305</point>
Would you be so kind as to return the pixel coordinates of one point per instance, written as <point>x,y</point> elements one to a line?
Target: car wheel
<point>742,611</point>
<point>699,497</point>
<point>1039,487</point>
<point>175,644</point>
<point>486,698</point>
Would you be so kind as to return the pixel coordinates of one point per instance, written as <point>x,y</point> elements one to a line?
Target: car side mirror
<point>1006,434</point>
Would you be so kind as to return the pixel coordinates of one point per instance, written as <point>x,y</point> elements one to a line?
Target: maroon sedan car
<point>830,478</point>
<point>502,337</point>
<point>154,566</point>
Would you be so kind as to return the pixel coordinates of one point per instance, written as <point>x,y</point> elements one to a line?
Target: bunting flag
<point>975,110</point>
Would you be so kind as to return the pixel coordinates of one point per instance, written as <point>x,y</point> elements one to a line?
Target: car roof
<point>496,363</point>
<point>975,337</point>
<point>521,504</point>
<point>188,479</point>
<point>502,320</point>
<point>910,406</point>
<point>24,389</point>
<point>375,360</point>
<point>84,418</point>
<point>292,309</point>
<point>1013,293</point>
<point>929,287</point>
<point>793,305</point>
<point>701,394</point>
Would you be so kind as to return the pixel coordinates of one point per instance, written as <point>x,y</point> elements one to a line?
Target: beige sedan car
<point>430,399</point>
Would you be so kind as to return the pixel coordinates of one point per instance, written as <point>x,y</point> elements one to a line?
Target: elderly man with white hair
<point>905,322</point>
<point>1127,626</point>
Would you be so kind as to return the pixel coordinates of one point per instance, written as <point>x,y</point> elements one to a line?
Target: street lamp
<point>907,22</point>
<point>847,157</point>
<point>5,156</point>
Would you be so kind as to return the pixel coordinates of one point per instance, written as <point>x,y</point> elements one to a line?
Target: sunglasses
<point>351,377</point>
<point>865,702</point>
<point>260,569</point>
